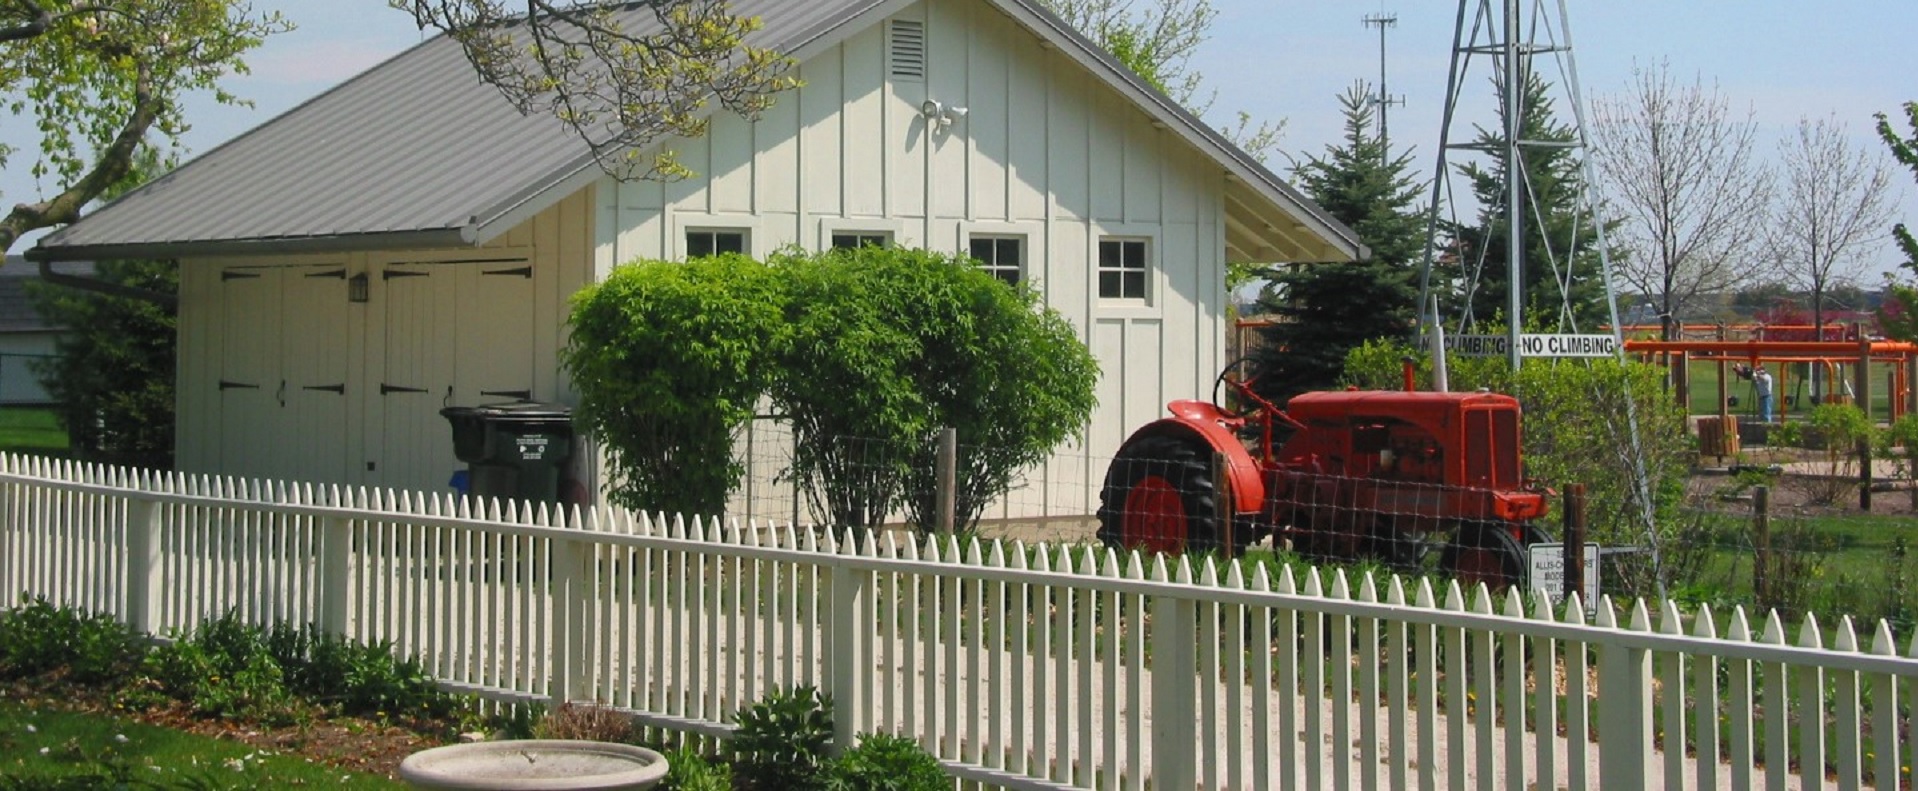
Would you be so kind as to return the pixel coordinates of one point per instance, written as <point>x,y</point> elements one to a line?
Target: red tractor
<point>1400,477</point>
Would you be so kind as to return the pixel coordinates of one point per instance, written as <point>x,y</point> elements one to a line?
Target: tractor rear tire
<point>1486,553</point>
<point>1159,496</point>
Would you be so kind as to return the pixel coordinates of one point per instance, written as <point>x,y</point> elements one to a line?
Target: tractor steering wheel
<point>1242,386</point>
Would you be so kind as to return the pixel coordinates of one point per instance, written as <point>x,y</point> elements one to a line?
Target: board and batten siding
<point>1046,151</point>
<point>281,376</point>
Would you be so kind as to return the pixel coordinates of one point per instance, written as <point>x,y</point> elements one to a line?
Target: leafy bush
<point>882,347</point>
<point>38,638</point>
<point>1837,429</point>
<point>688,770</point>
<point>668,359</point>
<point>1901,440</point>
<point>781,741</point>
<point>883,762</point>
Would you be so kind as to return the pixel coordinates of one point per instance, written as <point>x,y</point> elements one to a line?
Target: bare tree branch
<point>1682,176</point>
<point>1834,208</point>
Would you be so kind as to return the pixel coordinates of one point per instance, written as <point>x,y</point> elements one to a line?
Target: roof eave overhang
<point>462,236</point>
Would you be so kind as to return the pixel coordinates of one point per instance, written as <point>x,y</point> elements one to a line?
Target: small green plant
<point>1901,441</point>
<point>688,770</point>
<point>38,638</point>
<point>883,762</point>
<point>781,741</point>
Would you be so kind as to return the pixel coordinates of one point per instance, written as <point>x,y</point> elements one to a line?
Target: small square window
<point>851,240</point>
<point>1002,257</point>
<point>1122,269</point>
<point>703,243</point>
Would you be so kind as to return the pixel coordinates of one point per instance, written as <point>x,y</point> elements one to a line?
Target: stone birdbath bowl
<point>535,765</point>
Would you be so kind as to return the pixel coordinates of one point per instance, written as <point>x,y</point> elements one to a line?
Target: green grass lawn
<point>60,750</point>
<point>31,430</point>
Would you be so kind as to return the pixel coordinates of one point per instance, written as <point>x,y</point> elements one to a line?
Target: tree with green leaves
<point>1562,286</point>
<point>620,76</point>
<point>1327,309</point>
<point>669,359</point>
<point>98,78</point>
<point>112,370</point>
<point>1899,316</point>
<point>882,347</point>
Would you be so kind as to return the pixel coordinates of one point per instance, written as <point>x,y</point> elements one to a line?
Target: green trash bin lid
<point>523,412</point>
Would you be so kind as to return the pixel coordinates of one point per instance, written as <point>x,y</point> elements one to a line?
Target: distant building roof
<point>417,152</point>
<point>16,311</point>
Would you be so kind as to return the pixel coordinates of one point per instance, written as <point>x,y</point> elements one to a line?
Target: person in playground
<point>1761,386</point>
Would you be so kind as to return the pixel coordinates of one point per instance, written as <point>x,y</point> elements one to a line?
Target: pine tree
<point>1561,273</point>
<point>1327,309</point>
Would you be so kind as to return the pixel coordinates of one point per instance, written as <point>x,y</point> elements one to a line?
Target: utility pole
<point>1383,20</point>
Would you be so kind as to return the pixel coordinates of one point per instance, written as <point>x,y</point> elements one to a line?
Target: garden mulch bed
<point>344,742</point>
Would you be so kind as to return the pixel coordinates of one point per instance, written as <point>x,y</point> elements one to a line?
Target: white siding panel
<point>947,60</point>
<point>1108,343</point>
<point>987,98</point>
<point>1068,127</point>
<point>776,157</point>
<point>865,125</point>
<point>1026,121</point>
<point>1144,162</point>
<point>822,134</point>
<point>1105,143</point>
<point>731,165</point>
<point>1146,354</point>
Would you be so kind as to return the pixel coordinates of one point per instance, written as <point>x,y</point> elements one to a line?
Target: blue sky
<point>1290,59</point>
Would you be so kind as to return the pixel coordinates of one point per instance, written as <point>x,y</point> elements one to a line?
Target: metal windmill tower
<point>1513,41</point>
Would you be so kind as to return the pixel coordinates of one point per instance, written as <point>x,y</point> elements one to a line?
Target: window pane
<point>1108,255</point>
<point>844,241</point>
<point>699,244</point>
<point>730,242</point>
<point>1134,285</point>
<point>1134,255</point>
<point>1011,276</point>
<point>1109,286</point>
<point>1008,252</point>
<point>982,250</point>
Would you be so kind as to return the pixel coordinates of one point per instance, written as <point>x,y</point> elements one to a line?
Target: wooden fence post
<point>335,574</point>
<point>948,479</point>
<point>1575,542</point>
<point>1761,543</point>
<point>144,583</point>
<point>1175,639</point>
<point>846,654</point>
<point>569,580</point>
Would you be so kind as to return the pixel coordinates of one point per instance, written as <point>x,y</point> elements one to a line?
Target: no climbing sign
<point>1533,345</point>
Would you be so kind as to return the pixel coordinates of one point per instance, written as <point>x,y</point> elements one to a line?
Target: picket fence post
<point>845,646</point>
<point>336,538</point>
<point>144,584</point>
<point>1625,757</point>
<point>571,586</point>
<point>1175,641</point>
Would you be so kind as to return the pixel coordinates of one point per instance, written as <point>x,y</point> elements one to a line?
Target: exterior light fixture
<point>356,288</point>
<point>941,116</point>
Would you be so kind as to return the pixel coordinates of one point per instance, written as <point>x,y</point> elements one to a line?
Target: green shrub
<point>670,358</point>
<point>229,668</point>
<point>38,638</point>
<point>883,762</point>
<point>781,741</point>
<point>688,770</point>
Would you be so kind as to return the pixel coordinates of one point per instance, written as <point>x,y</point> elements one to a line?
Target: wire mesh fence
<point>1776,546</point>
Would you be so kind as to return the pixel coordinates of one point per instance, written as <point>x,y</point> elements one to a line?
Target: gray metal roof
<point>417,152</point>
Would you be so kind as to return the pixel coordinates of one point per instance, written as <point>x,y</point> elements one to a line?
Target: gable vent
<point>906,49</point>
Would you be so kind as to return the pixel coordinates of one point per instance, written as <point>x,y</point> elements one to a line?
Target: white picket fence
<point>1025,667</point>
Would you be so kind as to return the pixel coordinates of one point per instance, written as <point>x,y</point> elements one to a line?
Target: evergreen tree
<point>1561,274</point>
<point>1328,309</point>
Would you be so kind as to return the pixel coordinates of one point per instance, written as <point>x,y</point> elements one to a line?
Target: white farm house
<point>407,241</point>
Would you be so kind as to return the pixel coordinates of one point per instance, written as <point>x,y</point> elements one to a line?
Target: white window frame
<point>684,224</point>
<point>1032,247</point>
<point>1147,270</point>
<point>894,231</point>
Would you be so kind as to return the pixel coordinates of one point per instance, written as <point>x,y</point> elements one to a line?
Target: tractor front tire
<point>1159,496</point>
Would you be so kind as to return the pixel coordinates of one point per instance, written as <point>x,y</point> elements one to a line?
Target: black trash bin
<point>518,450</point>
